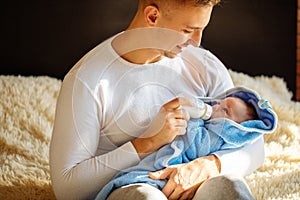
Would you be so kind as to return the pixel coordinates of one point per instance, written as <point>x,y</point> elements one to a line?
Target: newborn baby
<point>235,109</point>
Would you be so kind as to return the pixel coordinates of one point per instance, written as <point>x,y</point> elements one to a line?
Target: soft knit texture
<point>27,107</point>
<point>202,138</point>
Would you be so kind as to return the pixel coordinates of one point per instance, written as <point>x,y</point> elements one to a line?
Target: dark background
<point>257,37</point>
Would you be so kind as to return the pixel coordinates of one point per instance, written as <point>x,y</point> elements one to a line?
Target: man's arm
<point>169,122</point>
<point>242,161</point>
<point>76,171</point>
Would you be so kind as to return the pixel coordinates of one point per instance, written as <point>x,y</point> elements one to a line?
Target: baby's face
<point>231,108</point>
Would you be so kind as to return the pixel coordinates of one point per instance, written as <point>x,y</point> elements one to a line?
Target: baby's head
<point>235,109</point>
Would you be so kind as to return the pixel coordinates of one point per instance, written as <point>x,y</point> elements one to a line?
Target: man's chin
<point>170,54</point>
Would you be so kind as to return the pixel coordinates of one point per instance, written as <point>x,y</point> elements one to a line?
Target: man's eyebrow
<point>193,27</point>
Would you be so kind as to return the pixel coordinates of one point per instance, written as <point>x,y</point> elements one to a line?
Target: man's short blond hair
<point>181,2</point>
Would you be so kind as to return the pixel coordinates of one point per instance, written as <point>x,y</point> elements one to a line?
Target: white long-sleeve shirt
<point>106,101</point>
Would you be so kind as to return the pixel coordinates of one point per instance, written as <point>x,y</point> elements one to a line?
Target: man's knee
<point>225,187</point>
<point>139,191</point>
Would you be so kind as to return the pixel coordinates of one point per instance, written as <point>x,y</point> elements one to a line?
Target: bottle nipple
<point>199,110</point>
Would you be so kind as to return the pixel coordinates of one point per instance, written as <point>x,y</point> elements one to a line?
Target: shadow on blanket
<point>27,107</point>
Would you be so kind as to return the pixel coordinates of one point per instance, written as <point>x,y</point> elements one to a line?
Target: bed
<point>27,108</point>
<point>43,40</point>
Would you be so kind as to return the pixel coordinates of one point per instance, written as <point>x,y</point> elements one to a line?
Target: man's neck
<point>129,47</point>
<point>143,45</point>
<point>143,56</point>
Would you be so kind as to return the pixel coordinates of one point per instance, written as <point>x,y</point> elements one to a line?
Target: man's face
<point>189,20</point>
<point>169,31</point>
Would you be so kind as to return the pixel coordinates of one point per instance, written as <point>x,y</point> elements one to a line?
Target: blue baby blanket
<point>202,138</point>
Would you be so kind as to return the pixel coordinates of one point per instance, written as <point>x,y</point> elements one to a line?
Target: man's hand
<point>184,179</point>
<point>169,122</point>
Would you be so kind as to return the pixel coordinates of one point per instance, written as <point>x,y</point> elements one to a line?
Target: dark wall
<point>48,37</point>
<point>256,37</point>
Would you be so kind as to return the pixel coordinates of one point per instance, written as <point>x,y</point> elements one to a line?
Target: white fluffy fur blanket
<point>27,107</point>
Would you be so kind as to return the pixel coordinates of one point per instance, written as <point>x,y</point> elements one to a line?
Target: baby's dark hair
<point>252,111</point>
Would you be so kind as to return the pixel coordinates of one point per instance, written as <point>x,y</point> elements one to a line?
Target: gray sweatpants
<point>218,188</point>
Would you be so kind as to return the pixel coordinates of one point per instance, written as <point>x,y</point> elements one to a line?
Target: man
<point>122,101</point>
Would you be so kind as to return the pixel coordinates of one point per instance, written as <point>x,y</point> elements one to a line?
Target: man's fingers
<point>161,174</point>
<point>175,194</point>
<point>181,131</point>
<point>189,194</point>
<point>181,114</point>
<point>177,102</point>
<point>169,188</point>
<point>185,101</point>
<point>174,104</point>
<point>178,114</point>
<point>178,192</point>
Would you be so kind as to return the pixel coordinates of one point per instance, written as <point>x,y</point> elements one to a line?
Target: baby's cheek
<point>217,114</point>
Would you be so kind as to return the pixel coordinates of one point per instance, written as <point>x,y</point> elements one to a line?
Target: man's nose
<point>196,37</point>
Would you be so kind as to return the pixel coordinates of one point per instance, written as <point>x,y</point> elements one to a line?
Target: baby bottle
<point>199,110</point>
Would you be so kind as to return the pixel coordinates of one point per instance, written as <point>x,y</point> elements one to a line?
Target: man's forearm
<point>215,160</point>
<point>243,161</point>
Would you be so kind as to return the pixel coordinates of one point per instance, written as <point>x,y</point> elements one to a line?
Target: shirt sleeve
<point>76,172</point>
<point>242,161</point>
<point>245,160</point>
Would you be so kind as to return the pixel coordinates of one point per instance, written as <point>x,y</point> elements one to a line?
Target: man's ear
<point>151,14</point>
